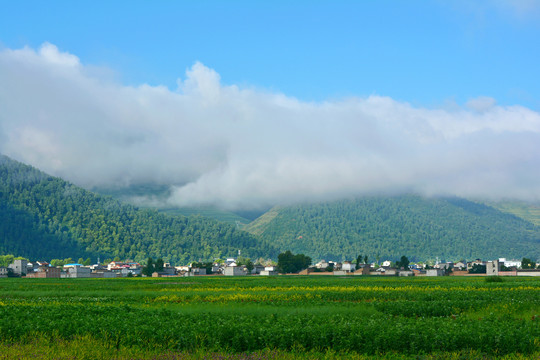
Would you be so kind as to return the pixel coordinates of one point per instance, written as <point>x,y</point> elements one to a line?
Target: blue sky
<point>249,104</point>
<point>423,52</point>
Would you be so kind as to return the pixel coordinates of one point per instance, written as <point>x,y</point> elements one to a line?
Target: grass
<point>279,317</point>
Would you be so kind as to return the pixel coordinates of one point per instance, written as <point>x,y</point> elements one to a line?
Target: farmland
<point>279,317</point>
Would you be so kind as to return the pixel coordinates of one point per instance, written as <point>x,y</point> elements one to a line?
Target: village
<point>230,267</point>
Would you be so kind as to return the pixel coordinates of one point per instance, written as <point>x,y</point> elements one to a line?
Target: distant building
<point>234,271</point>
<point>363,270</point>
<point>3,271</point>
<point>198,271</point>
<point>435,272</point>
<point>268,273</point>
<point>103,274</point>
<point>45,272</point>
<point>19,267</point>
<point>510,263</point>
<point>348,266</point>
<point>77,272</point>
<point>492,267</point>
<point>323,264</point>
<point>528,272</point>
<point>405,273</point>
<point>257,269</point>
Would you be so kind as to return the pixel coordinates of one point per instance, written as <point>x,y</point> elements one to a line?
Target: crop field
<point>283,317</point>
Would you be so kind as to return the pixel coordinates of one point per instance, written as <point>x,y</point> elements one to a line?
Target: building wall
<point>19,267</point>
<point>233,271</point>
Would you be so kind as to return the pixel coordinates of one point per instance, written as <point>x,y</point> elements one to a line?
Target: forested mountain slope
<point>42,217</point>
<point>527,211</point>
<point>388,227</point>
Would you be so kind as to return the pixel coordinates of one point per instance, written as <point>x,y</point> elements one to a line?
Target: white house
<point>348,266</point>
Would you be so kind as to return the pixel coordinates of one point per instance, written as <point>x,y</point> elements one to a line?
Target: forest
<point>45,217</point>
<point>389,227</point>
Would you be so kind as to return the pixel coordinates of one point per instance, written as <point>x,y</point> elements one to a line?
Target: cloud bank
<point>234,147</point>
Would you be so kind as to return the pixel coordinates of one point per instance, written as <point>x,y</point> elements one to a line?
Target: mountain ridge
<point>44,217</point>
<point>387,227</point>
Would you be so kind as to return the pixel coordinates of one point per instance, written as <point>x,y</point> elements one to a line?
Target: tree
<point>87,262</point>
<point>365,259</point>
<point>245,261</point>
<point>478,269</point>
<point>148,269</point>
<point>159,265</point>
<point>403,263</point>
<point>290,263</point>
<point>527,263</point>
<point>358,260</point>
<point>80,261</point>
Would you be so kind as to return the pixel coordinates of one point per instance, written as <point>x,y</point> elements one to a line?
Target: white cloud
<point>234,147</point>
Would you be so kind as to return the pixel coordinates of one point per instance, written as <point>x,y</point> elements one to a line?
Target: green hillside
<point>527,211</point>
<point>42,217</point>
<point>388,227</point>
<point>207,212</point>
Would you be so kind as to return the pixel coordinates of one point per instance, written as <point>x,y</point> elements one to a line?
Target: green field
<point>270,318</point>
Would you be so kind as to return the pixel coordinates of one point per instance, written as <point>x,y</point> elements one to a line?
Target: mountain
<point>43,217</point>
<point>527,211</point>
<point>389,227</point>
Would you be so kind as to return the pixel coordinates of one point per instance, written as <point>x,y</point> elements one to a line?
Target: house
<point>67,266</point>
<point>198,271</point>
<point>419,272</point>
<point>475,262</point>
<point>136,268</point>
<point>444,266</point>
<point>493,267</point>
<point>510,263</point>
<point>386,263</point>
<point>363,270</point>
<point>78,272</point>
<point>114,265</point>
<point>19,267</point>
<point>405,273</point>
<point>322,264</point>
<point>257,269</point>
<point>460,265</point>
<point>435,272</point>
<point>3,271</point>
<point>348,266</point>
<point>234,271</point>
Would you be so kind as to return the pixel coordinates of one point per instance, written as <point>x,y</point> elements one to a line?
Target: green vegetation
<point>289,263</point>
<point>207,212</point>
<point>42,217</point>
<point>279,317</point>
<point>387,227</point>
<point>527,211</point>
